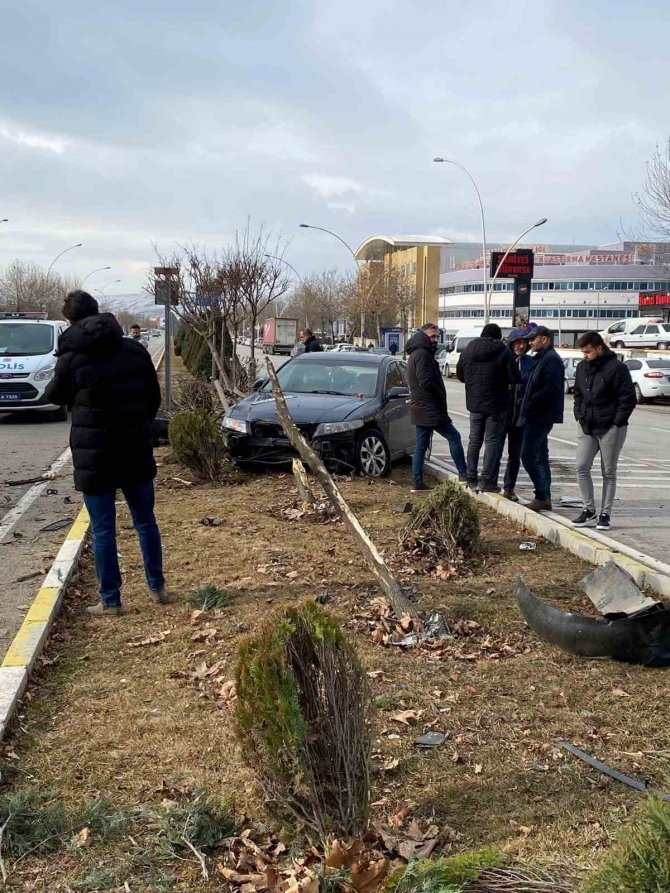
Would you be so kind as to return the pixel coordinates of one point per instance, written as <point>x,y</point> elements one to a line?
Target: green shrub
<point>443,875</point>
<point>302,698</point>
<point>203,822</point>
<point>445,526</point>
<point>208,597</point>
<point>640,863</point>
<point>196,443</point>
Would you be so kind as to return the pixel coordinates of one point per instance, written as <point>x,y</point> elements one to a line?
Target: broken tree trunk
<point>374,560</point>
<point>301,482</point>
<point>221,395</point>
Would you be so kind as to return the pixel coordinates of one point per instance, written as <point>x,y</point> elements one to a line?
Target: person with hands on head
<point>604,402</point>
<point>428,404</point>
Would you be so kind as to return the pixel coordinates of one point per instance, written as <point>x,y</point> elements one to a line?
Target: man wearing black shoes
<point>604,402</point>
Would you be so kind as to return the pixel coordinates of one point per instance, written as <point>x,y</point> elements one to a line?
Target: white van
<point>28,343</point>
<point>460,341</point>
<point>624,334</point>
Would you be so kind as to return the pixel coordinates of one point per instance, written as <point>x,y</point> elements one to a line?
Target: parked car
<point>620,334</point>
<point>352,407</point>
<point>656,335</point>
<point>570,364</point>
<point>442,357</point>
<point>651,378</point>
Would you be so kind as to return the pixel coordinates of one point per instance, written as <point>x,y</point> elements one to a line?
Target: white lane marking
<point>662,430</point>
<point>14,514</point>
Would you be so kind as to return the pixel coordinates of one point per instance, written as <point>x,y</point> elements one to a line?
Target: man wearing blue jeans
<point>112,388</point>
<point>428,404</point>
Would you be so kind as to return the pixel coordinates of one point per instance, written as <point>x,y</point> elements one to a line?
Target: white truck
<point>28,343</point>
<point>279,335</point>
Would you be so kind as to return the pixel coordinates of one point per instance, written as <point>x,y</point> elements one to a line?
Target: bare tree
<point>654,206</point>
<point>26,287</point>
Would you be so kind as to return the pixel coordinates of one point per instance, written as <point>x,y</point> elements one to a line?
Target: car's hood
<point>306,409</point>
<point>18,364</point>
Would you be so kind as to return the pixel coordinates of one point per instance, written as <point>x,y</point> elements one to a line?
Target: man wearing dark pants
<point>541,409</point>
<point>111,385</point>
<point>604,402</point>
<point>428,404</point>
<point>517,344</point>
<point>488,370</point>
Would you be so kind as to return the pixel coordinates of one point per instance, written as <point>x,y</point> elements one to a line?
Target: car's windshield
<point>21,339</point>
<point>658,364</point>
<point>338,377</point>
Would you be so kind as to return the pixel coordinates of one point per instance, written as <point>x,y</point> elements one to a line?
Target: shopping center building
<point>575,288</point>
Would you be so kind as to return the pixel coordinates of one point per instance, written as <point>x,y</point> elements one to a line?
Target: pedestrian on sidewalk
<point>488,370</point>
<point>428,404</point>
<point>112,388</point>
<point>517,343</point>
<point>604,402</point>
<point>541,409</point>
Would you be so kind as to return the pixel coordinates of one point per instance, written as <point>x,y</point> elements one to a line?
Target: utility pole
<point>163,295</point>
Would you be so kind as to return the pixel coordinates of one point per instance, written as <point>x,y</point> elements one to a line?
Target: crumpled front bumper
<point>337,452</point>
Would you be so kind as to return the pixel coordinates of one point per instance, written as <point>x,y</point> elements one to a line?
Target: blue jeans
<point>102,512</point>
<point>535,457</point>
<point>423,435</point>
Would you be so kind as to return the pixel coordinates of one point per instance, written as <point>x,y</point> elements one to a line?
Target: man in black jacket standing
<point>428,404</point>
<point>541,409</point>
<point>604,402</point>
<point>488,370</point>
<point>310,341</point>
<point>111,385</point>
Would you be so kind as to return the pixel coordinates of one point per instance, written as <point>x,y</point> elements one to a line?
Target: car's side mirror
<point>397,393</point>
<point>258,384</point>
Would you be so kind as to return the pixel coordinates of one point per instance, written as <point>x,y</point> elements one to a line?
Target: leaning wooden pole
<point>374,560</point>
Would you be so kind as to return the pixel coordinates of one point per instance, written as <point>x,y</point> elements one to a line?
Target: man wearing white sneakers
<point>604,402</point>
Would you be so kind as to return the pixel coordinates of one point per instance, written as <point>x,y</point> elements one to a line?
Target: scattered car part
<point>527,547</point>
<point>403,509</point>
<point>572,502</point>
<point>644,639</point>
<point>57,525</point>
<point>607,770</point>
<point>431,739</point>
<point>435,629</point>
<point>613,591</point>
<point>211,522</point>
<point>51,492</point>
<point>24,481</point>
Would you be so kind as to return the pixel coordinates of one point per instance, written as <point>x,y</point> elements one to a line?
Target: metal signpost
<point>518,265</point>
<point>163,296</point>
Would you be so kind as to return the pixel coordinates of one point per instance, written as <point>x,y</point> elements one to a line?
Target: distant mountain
<point>142,304</point>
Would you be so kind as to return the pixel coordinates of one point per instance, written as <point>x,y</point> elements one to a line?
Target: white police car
<point>28,343</point>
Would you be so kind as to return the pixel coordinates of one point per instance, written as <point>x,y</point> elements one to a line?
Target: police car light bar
<point>37,314</point>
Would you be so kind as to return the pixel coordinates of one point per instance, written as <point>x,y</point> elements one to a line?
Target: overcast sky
<point>128,124</point>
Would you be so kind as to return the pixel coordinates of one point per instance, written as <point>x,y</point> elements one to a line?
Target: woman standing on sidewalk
<point>604,401</point>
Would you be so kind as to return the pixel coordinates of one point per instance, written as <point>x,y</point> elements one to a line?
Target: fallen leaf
<point>478,768</point>
<point>407,717</point>
<point>367,876</point>
<point>150,640</point>
<point>620,693</point>
<point>83,838</point>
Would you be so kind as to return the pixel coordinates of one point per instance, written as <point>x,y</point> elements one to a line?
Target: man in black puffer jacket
<point>428,403</point>
<point>604,402</point>
<point>488,370</point>
<point>112,388</point>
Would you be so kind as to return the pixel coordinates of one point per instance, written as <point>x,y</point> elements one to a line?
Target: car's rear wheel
<point>662,345</point>
<point>638,394</point>
<point>619,344</point>
<point>372,454</point>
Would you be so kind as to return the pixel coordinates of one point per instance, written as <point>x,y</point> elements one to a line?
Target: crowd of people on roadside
<point>514,392</point>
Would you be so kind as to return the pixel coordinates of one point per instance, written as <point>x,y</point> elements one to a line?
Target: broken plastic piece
<point>613,591</point>
<point>431,739</point>
<point>607,770</point>
<point>527,547</point>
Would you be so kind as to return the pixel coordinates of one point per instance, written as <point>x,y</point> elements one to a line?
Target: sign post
<point>163,295</point>
<point>518,265</point>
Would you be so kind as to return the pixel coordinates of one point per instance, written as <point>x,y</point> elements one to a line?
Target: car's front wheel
<point>619,344</point>
<point>638,394</point>
<point>662,345</point>
<point>372,454</point>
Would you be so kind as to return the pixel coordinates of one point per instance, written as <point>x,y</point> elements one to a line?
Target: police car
<point>28,343</point>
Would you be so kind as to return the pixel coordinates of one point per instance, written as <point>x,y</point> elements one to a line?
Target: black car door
<point>398,429</point>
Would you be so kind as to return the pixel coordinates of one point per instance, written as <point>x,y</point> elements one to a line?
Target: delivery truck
<point>279,335</point>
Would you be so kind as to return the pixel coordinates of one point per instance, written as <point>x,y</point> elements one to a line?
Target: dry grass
<point>127,721</point>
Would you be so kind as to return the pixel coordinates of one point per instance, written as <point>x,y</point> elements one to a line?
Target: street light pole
<point>487,306</point>
<point>513,245</point>
<point>94,271</point>
<point>78,245</point>
<point>4,220</point>
<point>351,252</point>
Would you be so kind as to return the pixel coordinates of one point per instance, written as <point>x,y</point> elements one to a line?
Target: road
<point>641,513</point>
<point>29,446</point>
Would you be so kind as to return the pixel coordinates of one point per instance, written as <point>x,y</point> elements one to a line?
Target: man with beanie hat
<point>111,385</point>
<point>518,345</point>
<point>488,370</point>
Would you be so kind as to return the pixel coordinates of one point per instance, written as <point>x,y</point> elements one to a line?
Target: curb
<point>28,642</point>
<point>596,549</point>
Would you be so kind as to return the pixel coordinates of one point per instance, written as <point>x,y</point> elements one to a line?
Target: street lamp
<point>102,290</point>
<point>290,266</point>
<point>4,220</point>
<point>94,271</point>
<point>504,257</point>
<point>487,306</point>
<point>351,252</point>
<point>78,245</point>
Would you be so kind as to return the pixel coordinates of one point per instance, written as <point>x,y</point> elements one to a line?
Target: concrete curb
<point>33,632</point>
<point>594,548</point>
<point>27,644</point>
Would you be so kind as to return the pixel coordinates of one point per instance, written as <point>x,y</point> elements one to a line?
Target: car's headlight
<point>238,425</point>
<point>328,428</point>
<point>45,374</point>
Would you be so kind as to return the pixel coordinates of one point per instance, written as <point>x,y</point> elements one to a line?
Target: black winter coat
<point>544,397</point>
<point>604,394</point>
<point>312,345</point>
<point>428,396</point>
<point>488,369</point>
<point>112,388</point>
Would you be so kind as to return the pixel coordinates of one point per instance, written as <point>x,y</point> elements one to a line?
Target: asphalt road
<point>29,444</point>
<point>641,513</point>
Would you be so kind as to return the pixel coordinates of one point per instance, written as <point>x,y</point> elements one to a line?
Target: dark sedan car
<point>352,407</point>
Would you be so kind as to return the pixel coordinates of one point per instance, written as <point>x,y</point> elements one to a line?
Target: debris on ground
<point>613,591</point>
<point>527,546</point>
<point>57,525</point>
<point>608,770</point>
